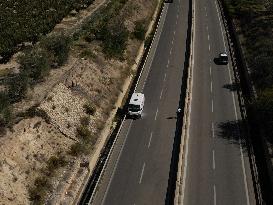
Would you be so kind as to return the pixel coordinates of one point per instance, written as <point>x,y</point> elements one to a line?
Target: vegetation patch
<point>26,21</point>
<point>255,20</point>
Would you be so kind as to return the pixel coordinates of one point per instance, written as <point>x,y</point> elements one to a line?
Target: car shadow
<point>218,61</point>
<point>231,87</point>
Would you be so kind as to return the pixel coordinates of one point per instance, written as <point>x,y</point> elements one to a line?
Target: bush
<point>116,39</point>
<point>83,133</point>
<point>17,87</point>
<point>140,30</point>
<point>55,163</point>
<point>77,149</point>
<point>58,47</point>
<point>85,121</point>
<point>37,193</point>
<point>35,64</point>
<point>148,41</point>
<point>89,109</point>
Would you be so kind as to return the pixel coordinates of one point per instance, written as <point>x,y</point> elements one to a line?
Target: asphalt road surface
<point>217,164</point>
<point>138,169</point>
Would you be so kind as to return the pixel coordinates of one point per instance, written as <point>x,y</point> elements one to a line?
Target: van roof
<point>136,99</point>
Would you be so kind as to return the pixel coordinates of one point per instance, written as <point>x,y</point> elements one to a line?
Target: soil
<point>26,148</point>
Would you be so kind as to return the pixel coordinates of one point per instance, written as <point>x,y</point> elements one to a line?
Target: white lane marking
<point>116,163</point>
<point>174,33</point>
<point>235,111</point>
<point>214,195</point>
<point>212,130</point>
<point>172,42</point>
<point>206,14</point>
<point>171,50</point>
<point>141,175</point>
<point>156,113</point>
<point>205,8</point>
<point>150,140</point>
<point>212,105</point>
<point>209,47</point>
<point>211,86</point>
<point>161,94</point>
<point>168,63</point>
<point>207,27</point>
<point>210,70</point>
<point>151,52</point>
<point>208,37</point>
<point>213,159</point>
<point>165,76</point>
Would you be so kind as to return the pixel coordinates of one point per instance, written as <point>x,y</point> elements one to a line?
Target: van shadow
<point>233,132</point>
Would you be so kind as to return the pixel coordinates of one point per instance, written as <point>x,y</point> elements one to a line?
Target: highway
<point>217,169</point>
<point>138,169</point>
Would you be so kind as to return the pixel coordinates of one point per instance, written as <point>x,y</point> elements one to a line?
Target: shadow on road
<point>231,87</point>
<point>218,61</point>
<point>233,132</point>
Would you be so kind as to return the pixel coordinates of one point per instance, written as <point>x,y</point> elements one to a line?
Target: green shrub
<point>17,87</point>
<point>115,40</point>
<point>55,163</point>
<point>38,192</point>
<point>58,47</point>
<point>85,120</point>
<point>77,149</point>
<point>89,109</point>
<point>87,54</point>
<point>140,30</point>
<point>83,133</point>
<point>148,41</point>
<point>35,64</point>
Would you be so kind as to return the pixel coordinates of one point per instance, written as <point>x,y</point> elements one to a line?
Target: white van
<point>136,105</point>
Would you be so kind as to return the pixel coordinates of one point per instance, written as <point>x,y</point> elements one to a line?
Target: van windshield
<point>134,108</point>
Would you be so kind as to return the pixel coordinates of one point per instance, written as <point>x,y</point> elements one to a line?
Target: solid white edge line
<point>211,86</point>
<point>235,113</point>
<point>210,71</point>
<point>116,164</point>
<point>211,105</point>
<point>141,175</point>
